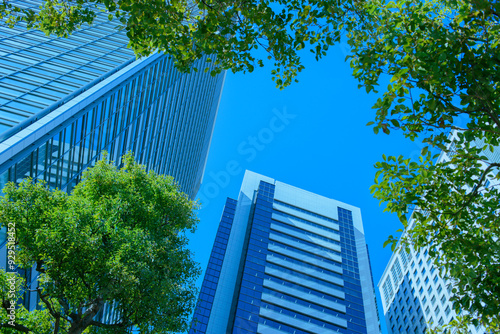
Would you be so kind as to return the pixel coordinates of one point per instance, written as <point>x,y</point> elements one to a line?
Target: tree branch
<point>39,265</point>
<point>102,325</point>
<point>47,303</point>
<point>16,326</point>
<point>476,188</point>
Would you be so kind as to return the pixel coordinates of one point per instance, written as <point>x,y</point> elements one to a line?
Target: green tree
<point>441,62</point>
<point>117,240</point>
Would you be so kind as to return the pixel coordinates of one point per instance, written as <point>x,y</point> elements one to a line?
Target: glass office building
<point>286,260</point>
<point>63,101</point>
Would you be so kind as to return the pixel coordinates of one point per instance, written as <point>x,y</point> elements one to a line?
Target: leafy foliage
<point>442,60</point>
<point>186,29</point>
<point>117,240</point>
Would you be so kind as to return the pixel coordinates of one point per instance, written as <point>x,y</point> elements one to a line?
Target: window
<point>430,289</point>
<point>412,264</point>
<point>426,280</point>
<point>447,310</point>
<point>435,279</point>
<point>387,291</point>
<point>433,300</point>
<point>423,271</point>
<point>421,290</point>
<point>441,321</point>
<point>427,310</point>
<point>424,300</point>
<point>397,268</point>
<point>443,299</point>
<point>439,288</point>
<point>404,258</point>
<point>420,263</point>
<point>437,310</point>
<point>418,281</point>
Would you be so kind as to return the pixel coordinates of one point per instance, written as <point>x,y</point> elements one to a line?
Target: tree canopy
<point>442,60</point>
<point>116,242</point>
<point>240,34</point>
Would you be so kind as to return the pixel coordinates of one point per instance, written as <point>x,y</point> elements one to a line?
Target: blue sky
<point>312,135</point>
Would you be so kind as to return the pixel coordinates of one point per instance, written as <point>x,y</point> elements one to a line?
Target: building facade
<point>286,260</point>
<point>414,295</point>
<point>64,101</point>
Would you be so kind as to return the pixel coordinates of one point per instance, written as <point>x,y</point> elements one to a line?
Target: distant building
<point>286,260</point>
<point>63,101</point>
<point>414,296</point>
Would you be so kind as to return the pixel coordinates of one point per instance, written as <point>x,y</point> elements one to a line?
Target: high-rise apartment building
<point>63,101</point>
<point>414,295</point>
<point>286,260</point>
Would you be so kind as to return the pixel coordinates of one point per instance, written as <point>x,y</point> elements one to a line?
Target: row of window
<point>38,70</point>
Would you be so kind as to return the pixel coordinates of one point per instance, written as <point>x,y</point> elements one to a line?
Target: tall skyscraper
<point>286,260</point>
<point>414,295</point>
<point>63,101</point>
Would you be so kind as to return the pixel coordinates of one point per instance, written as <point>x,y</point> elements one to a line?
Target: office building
<point>414,295</point>
<point>63,101</point>
<point>286,260</point>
